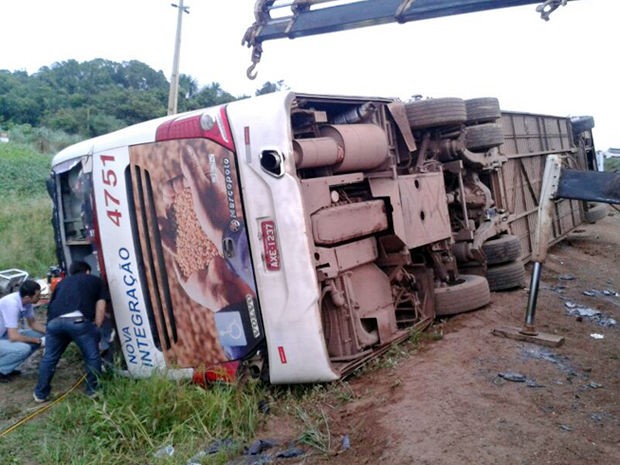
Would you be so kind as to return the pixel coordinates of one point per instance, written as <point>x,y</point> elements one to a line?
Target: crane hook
<point>256,55</point>
<point>250,72</point>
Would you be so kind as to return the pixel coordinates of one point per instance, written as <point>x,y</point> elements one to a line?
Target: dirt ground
<point>455,402</point>
<point>469,397</point>
<point>450,405</point>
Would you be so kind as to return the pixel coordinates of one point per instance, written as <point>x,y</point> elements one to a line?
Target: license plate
<point>270,245</point>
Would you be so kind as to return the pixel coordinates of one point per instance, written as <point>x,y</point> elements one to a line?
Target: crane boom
<point>304,20</point>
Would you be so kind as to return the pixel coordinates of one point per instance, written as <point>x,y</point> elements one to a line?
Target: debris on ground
<point>592,314</point>
<point>514,377</point>
<point>166,451</point>
<point>604,292</point>
<point>254,454</point>
<point>259,446</point>
<point>542,353</point>
<point>520,378</point>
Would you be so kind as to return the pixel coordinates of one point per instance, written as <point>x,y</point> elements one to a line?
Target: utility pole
<point>173,97</point>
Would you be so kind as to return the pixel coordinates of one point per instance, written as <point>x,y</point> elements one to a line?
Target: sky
<point>564,66</point>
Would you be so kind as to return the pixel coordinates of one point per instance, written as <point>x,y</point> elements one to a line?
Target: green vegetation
<point>40,139</point>
<point>99,96</point>
<point>133,420</point>
<point>94,97</point>
<point>612,164</point>
<point>26,210</point>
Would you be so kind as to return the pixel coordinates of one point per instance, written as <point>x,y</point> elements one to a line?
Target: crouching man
<point>75,313</point>
<point>16,344</point>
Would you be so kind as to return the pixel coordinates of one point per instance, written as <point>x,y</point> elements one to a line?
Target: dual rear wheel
<point>504,271</point>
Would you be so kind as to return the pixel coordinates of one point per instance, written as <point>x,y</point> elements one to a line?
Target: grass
<point>612,164</point>
<point>316,432</point>
<point>134,420</point>
<point>26,232</point>
<point>23,170</point>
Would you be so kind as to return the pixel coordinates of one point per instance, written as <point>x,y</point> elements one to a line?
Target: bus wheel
<point>482,110</point>
<point>483,137</point>
<point>505,248</point>
<point>596,212</point>
<point>506,276</point>
<point>471,292</point>
<point>436,112</point>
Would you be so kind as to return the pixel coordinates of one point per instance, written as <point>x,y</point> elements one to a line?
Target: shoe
<point>5,378</point>
<point>39,400</point>
<point>92,395</point>
<point>15,373</point>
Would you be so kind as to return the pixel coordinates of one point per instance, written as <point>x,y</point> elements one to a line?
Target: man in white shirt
<point>16,344</point>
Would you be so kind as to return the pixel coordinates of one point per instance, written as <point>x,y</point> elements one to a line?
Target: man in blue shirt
<point>16,344</point>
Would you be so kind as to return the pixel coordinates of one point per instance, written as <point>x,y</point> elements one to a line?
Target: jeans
<point>60,332</point>
<point>13,354</point>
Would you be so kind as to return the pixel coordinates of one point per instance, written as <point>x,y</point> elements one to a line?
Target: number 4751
<point>108,177</point>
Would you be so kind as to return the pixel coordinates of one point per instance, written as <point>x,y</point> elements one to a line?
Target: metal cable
<point>42,409</point>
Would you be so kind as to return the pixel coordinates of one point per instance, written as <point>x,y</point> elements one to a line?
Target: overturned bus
<point>295,236</point>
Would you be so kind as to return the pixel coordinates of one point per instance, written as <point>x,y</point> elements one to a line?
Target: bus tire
<point>482,110</point>
<point>505,248</point>
<point>506,276</point>
<point>482,137</point>
<point>470,293</point>
<point>595,212</point>
<point>447,111</point>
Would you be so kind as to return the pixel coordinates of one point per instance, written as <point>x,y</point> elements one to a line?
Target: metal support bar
<point>548,190</point>
<point>528,327</point>
<point>373,12</point>
<point>304,20</point>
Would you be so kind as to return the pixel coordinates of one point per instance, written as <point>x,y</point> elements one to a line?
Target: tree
<point>96,96</point>
<point>270,87</point>
<point>209,96</point>
<point>188,86</point>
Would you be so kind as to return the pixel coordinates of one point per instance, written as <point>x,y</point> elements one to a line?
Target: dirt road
<point>474,398</point>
